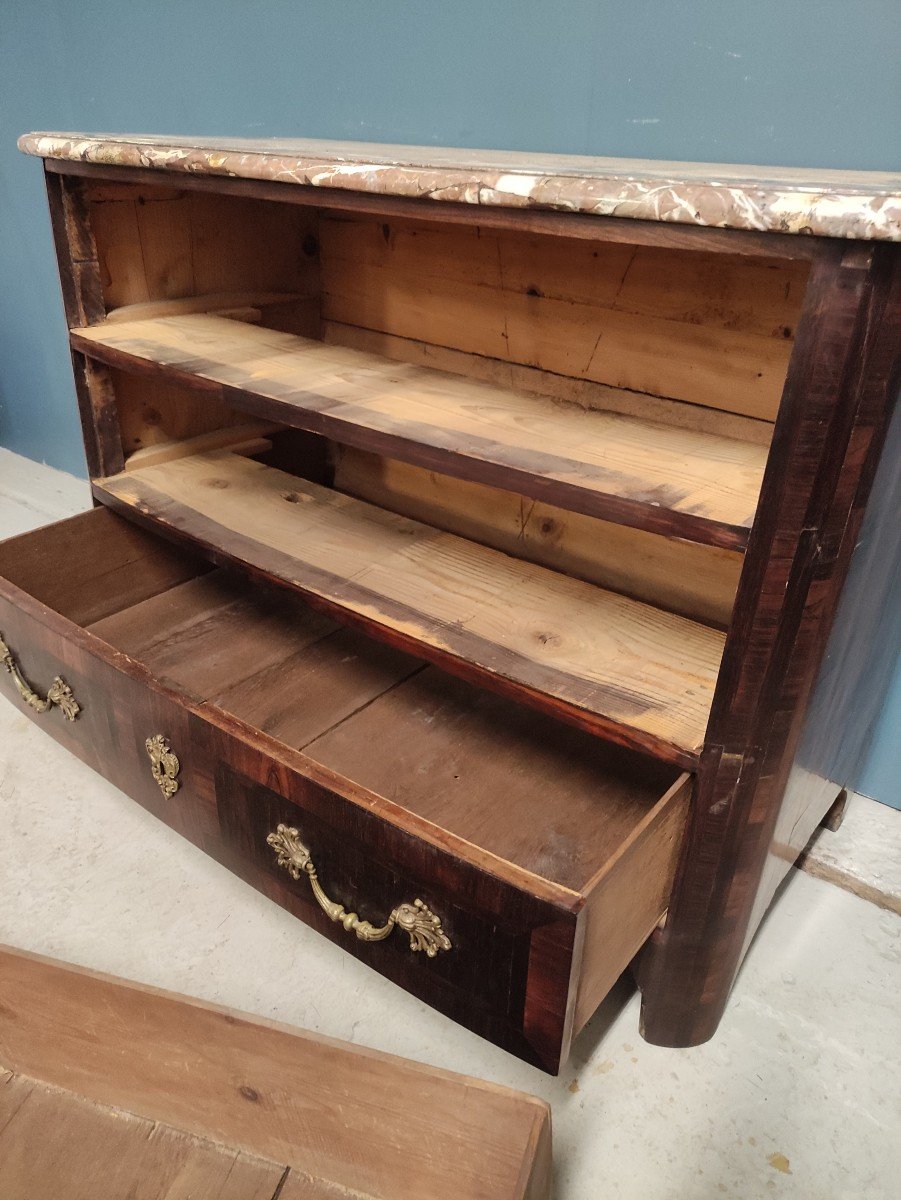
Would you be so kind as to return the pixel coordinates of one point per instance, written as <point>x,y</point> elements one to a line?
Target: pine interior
<point>695,342</point>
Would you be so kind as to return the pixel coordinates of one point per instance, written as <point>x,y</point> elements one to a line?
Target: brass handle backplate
<point>416,919</point>
<point>59,694</point>
<point>164,765</point>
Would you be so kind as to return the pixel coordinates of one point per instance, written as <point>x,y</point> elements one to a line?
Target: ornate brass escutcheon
<point>59,694</point>
<point>164,764</point>
<point>416,920</point>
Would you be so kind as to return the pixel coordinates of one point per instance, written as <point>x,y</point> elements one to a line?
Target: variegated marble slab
<point>843,204</point>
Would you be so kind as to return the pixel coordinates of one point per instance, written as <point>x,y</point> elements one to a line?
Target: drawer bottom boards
<point>501,866</point>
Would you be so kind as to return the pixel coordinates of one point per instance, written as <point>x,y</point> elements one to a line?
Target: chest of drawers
<point>465,556</point>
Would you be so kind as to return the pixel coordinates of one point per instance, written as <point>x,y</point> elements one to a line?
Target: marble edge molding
<point>837,204</point>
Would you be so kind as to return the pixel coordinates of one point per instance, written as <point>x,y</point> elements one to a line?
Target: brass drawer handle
<point>59,693</point>
<point>415,919</point>
<point>164,765</point>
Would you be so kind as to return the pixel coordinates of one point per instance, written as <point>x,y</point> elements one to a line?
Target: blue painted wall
<point>881,773</point>
<point>807,83</point>
<point>880,769</point>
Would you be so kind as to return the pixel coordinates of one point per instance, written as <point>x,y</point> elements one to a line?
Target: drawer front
<point>508,974</point>
<point>119,709</point>
<point>505,968</point>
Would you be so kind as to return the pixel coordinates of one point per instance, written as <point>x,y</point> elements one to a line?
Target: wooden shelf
<point>239,306</point>
<point>678,482</point>
<point>635,674</point>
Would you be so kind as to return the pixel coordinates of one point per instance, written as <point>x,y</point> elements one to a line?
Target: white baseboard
<point>33,494</point>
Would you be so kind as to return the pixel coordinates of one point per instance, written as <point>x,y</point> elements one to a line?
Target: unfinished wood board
<point>123,566</point>
<point>251,437</point>
<point>314,688</point>
<point>638,674</point>
<point>151,411</point>
<point>434,745</point>
<point>221,303</point>
<point>696,485</point>
<point>56,1145</point>
<point>557,802</point>
<point>337,1119</point>
<point>260,653</point>
<point>684,577</point>
<point>270,660</point>
<point>705,328</point>
<point>160,243</point>
<point>516,377</point>
<point>208,634</point>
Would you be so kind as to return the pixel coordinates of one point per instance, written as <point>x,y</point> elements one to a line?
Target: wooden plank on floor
<point>57,1145</point>
<point>346,1121</point>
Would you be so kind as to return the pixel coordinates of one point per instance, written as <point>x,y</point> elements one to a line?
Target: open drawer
<point>501,866</point>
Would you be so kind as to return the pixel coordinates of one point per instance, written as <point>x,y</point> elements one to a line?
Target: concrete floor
<point>797,1096</point>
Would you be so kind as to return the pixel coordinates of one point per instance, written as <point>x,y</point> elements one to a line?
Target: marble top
<point>843,204</point>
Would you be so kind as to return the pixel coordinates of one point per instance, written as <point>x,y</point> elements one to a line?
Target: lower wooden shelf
<point>636,674</point>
